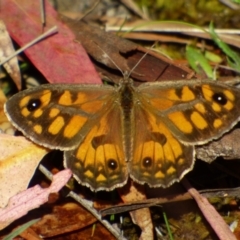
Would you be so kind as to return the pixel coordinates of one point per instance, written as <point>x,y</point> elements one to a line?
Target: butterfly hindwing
<point>159,158</point>
<point>99,160</point>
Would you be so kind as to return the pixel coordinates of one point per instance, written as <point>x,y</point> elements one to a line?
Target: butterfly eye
<point>220,98</point>
<point>33,104</point>
<point>147,162</point>
<point>112,164</point>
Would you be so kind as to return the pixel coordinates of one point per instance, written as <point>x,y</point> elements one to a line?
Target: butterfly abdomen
<point>126,99</point>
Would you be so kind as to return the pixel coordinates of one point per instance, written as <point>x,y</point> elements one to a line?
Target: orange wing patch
<point>74,126</point>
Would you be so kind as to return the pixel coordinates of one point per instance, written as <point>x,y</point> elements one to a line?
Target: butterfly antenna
<point>125,74</point>
<point>115,64</point>
<point>143,56</point>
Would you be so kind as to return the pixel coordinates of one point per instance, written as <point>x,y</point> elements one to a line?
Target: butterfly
<point>109,133</point>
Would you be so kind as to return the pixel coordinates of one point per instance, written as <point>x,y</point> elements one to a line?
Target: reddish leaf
<point>23,202</point>
<point>58,57</point>
<point>212,216</point>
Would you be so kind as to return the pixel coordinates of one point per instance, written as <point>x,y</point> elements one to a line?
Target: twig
<point>42,36</point>
<point>87,205</point>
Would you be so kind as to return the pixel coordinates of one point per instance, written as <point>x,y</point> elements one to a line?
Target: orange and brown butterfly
<point>110,133</point>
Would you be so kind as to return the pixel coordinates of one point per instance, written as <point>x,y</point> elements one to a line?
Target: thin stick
<point>42,36</point>
<point>87,205</point>
<point>42,12</point>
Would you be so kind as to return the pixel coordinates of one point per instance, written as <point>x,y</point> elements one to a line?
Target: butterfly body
<point>108,133</point>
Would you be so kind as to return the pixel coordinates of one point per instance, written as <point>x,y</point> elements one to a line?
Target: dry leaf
<point>18,161</point>
<point>31,198</point>
<point>73,217</point>
<point>5,125</point>
<point>135,8</point>
<point>6,50</point>
<point>106,48</point>
<point>59,57</point>
<point>141,217</point>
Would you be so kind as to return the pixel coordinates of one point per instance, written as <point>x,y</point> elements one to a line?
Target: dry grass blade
<point>134,7</point>
<point>158,28</point>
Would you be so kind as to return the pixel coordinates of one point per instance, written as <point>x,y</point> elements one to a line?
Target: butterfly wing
<point>159,158</point>
<point>177,116</point>
<point>99,160</point>
<point>83,120</point>
<point>58,116</point>
<point>195,111</point>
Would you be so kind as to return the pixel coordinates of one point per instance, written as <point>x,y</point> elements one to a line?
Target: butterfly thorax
<point>126,91</point>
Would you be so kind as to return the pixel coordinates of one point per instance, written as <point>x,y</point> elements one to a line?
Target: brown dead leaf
<point>18,161</point>
<point>106,48</point>
<point>29,234</point>
<point>31,198</point>
<point>65,218</point>
<point>6,50</point>
<point>94,232</point>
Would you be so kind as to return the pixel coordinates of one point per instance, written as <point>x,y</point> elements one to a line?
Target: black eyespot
<point>33,104</point>
<point>147,162</point>
<point>112,164</point>
<point>219,98</point>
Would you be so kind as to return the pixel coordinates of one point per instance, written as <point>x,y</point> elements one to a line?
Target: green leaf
<point>196,59</point>
<point>167,225</point>
<point>236,1</point>
<point>233,57</point>
<point>213,57</point>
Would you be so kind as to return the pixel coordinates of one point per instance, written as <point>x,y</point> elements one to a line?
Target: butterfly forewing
<point>58,116</point>
<point>195,111</point>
